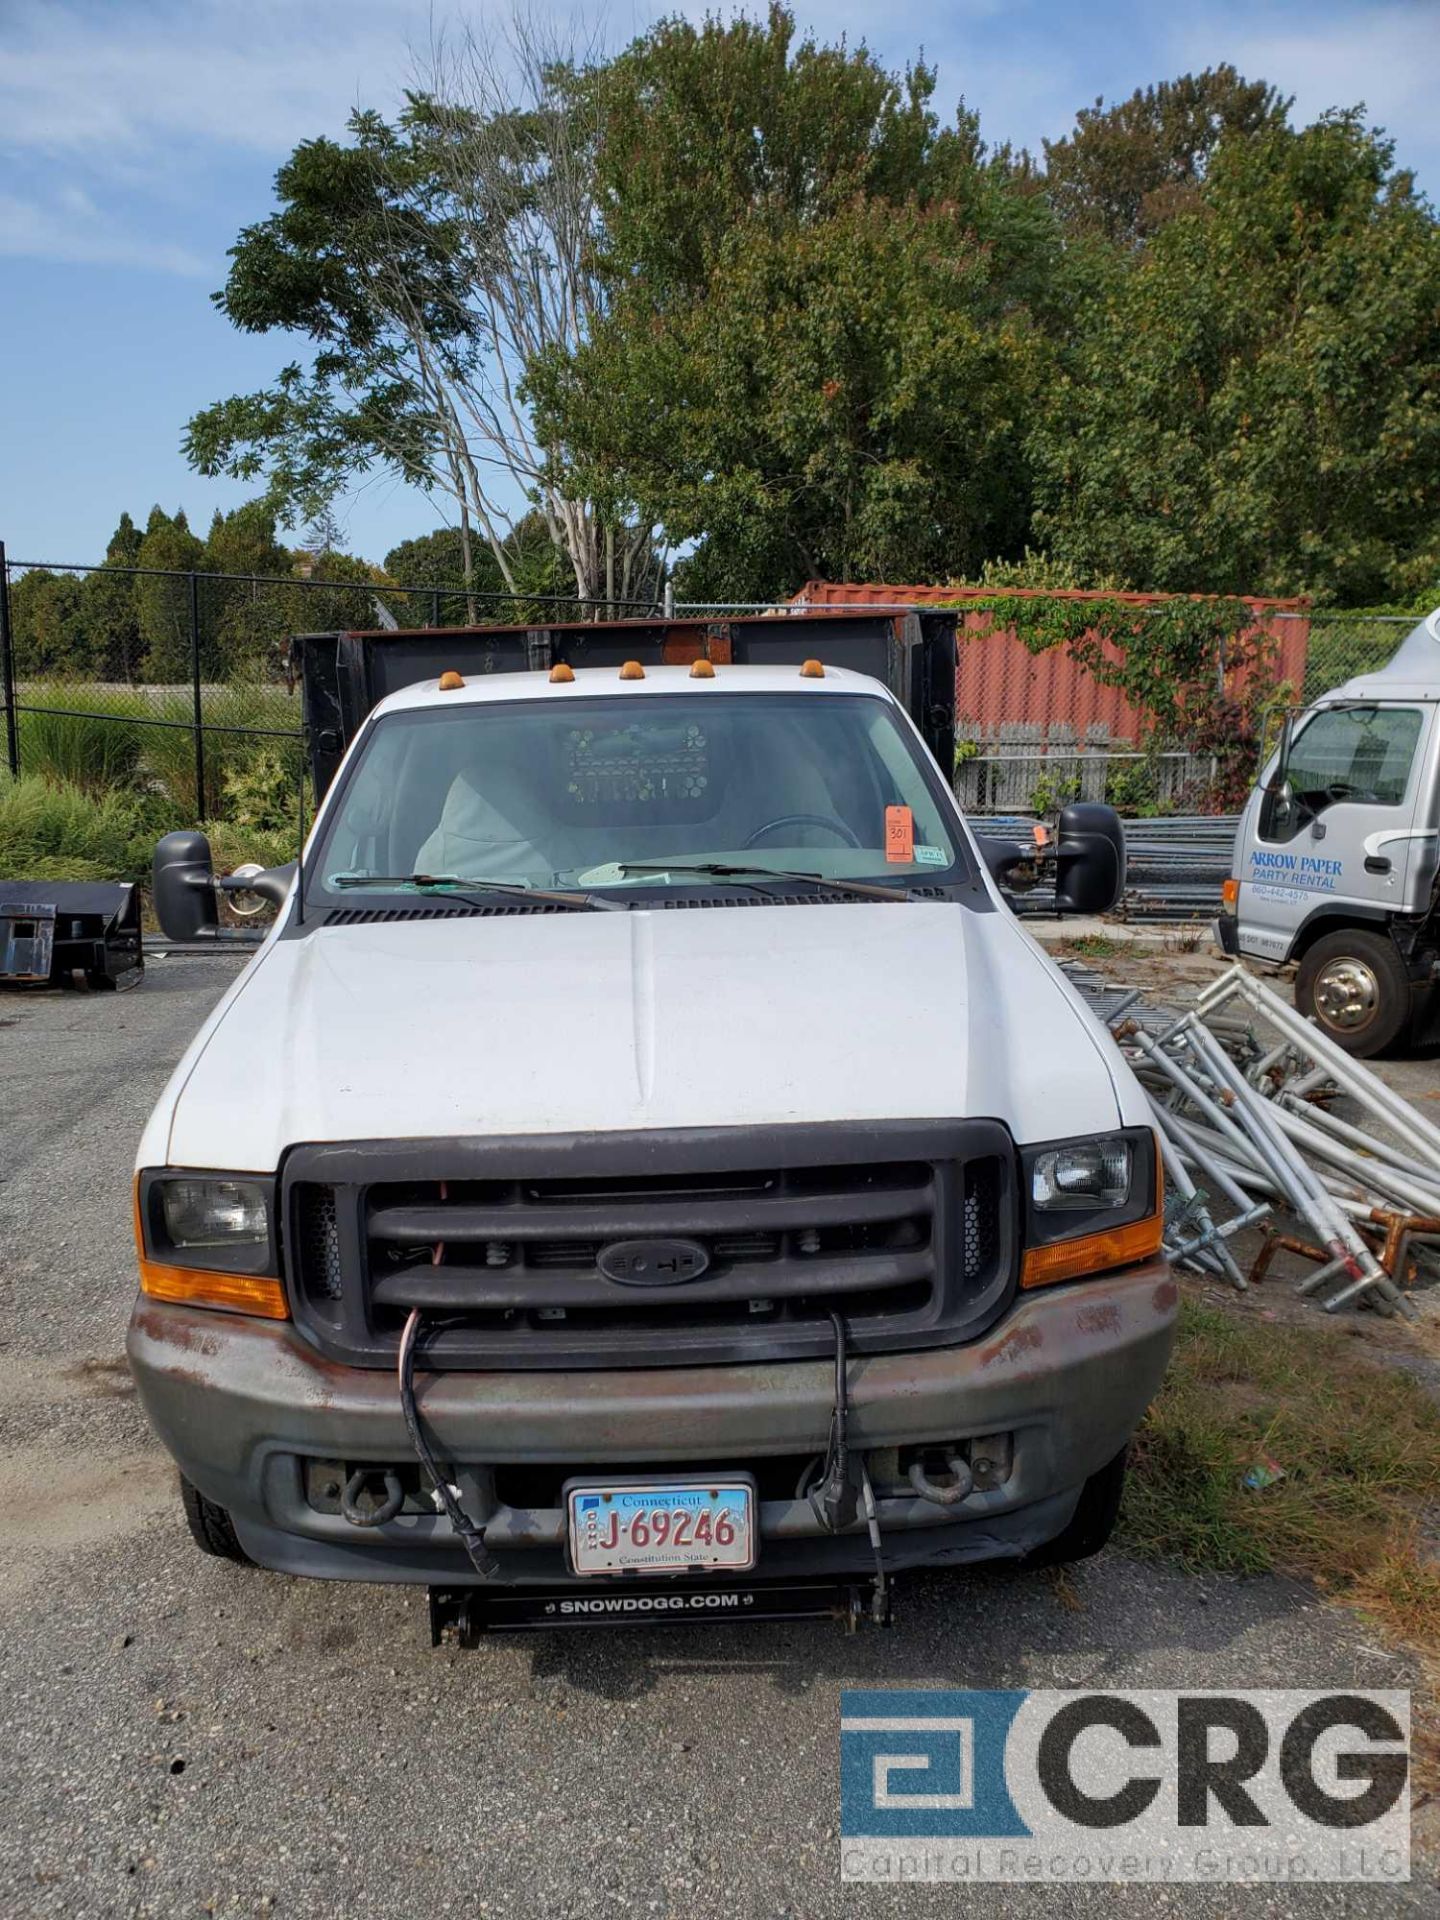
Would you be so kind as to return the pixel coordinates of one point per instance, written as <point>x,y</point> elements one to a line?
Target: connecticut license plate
<point>662,1527</point>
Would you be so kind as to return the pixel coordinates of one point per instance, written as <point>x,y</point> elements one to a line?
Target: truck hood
<point>591,1022</point>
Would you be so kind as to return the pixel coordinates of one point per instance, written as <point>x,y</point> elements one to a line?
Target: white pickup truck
<point>647,1170</point>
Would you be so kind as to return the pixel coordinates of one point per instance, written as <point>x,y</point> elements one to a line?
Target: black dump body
<point>912,652</point>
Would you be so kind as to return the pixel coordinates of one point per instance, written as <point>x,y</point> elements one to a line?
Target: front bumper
<point>242,1404</point>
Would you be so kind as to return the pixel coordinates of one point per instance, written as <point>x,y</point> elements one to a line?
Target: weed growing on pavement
<point>1357,1446</point>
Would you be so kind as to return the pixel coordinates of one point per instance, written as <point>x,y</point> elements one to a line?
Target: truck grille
<point>906,1229</point>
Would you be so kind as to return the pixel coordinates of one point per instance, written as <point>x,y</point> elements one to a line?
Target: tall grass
<point>51,830</point>
<point>102,753</point>
<point>167,755</point>
<point>96,754</point>
<point>95,792</point>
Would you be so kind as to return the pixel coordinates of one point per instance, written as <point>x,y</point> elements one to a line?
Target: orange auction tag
<point>899,835</point>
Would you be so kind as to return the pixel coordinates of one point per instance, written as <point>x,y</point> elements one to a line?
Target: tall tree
<point>1256,408</point>
<point>162,595</point>
<point>48,624</point>
<point>429,261</point>
<point>826,312</point>
<point>1128,168</point>
<point>113,648</point>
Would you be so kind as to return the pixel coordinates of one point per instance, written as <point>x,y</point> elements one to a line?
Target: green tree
<point>1256,406</point>
<point>113,649</point>
<point>48,623</point>
<point>437,561</point>
<point>242,620</point>
<point>1128,168</point>
<point>826,315</point>
<point>162,604</point>
<point>704,127</point>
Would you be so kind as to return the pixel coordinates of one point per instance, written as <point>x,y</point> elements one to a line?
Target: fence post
<point>7,669</point>
<point>199,702</point>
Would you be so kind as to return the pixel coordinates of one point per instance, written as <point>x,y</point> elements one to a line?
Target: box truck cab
<point>647,1169</point>
<point>1336,853</point>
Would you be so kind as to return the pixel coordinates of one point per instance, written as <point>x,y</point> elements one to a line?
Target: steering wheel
<point>841,832</point>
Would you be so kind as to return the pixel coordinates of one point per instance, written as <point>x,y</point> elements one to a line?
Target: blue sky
<point>137,136</point>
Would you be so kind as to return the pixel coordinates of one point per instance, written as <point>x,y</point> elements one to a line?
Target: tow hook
<point>383,1510</point>
<point>947,1494</point>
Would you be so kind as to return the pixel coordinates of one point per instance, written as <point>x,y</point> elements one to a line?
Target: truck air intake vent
<point>378,916</point>
<point>521,1248</point>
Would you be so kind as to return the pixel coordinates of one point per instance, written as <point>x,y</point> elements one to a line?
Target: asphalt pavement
<point>181,1736</point>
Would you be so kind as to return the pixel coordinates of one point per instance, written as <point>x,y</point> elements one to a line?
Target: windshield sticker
<point>931,856</point>
<point>1305,870</point>
<point>899,836</point>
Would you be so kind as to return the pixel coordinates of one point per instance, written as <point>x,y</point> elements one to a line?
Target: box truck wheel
<point>1353,984</point>
<point>210,1526</point>
<point>1092,1522</point>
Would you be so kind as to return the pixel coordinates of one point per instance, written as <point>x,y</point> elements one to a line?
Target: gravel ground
<point>183,1737</point>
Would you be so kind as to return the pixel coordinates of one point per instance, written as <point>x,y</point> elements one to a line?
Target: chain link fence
<point>136,700</point>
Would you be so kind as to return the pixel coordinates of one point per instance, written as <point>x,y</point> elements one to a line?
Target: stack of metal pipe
<point>1261,1116</point>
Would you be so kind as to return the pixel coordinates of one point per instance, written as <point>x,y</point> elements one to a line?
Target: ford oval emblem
<point>653,1263</point>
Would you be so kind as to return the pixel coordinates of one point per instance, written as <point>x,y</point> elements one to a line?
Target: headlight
<point>210,1240</point>
<point>1086,1173</point>
<point>215,1213</point>
<point>1092,1205</point>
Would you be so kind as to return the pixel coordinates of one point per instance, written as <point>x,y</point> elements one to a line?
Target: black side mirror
<point>1003,856</point>
<point>184,877</point>
<point>1089,859</point>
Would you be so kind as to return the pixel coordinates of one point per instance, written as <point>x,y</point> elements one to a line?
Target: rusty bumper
<point>242,1404</point>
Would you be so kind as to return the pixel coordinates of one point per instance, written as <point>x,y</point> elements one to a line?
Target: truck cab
<point>1336,853</point>
<point>646,1152</point>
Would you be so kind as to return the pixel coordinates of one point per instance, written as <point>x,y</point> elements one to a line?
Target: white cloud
<point>106,80</point>
<point>69,228</point>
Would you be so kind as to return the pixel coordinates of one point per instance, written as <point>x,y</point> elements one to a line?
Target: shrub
<point>54,830</point>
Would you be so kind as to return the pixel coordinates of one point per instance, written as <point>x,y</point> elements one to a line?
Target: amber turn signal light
<point>1093,1252</point>
<point>254,1293</point>
<point>1230,895</point>
<point>632,670</point>
<point>450,681</point>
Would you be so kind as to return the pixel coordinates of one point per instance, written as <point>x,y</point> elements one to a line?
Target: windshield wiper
<point>724,870</point>
<point>510,890</point>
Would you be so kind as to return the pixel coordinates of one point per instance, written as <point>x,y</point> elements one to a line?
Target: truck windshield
<point>638,792</point>
<point>1350,753</point>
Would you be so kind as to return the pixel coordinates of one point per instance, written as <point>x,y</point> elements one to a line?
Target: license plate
<point>662,1527</point>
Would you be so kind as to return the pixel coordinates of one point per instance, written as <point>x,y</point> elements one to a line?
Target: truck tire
<point>211,1527</point>
<point>1092,1522</point>
<point>1354,986</point>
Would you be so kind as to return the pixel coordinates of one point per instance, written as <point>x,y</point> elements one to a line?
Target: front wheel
<point>1354,986</point>
<point>211,1527</point>
<point>1092,1522</point>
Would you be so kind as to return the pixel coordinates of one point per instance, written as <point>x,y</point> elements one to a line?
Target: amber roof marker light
<point>632,670</point>
<point>450,681</point>
<point>701,670</point>
<point>812,670</point>
<point>560,674</point>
